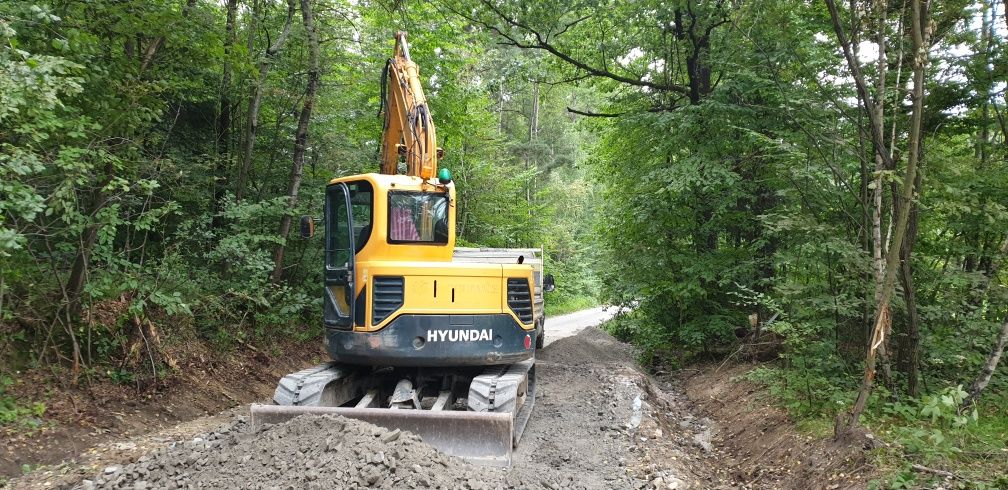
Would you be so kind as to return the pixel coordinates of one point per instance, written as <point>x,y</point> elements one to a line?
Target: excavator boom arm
<point>409,128</point>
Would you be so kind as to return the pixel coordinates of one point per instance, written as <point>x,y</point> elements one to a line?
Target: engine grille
<point>388,297</point>
<point>520,299</point>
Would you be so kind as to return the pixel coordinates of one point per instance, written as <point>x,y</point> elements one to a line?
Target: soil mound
<point>590,347</point>
<point>307,452</point>
<point>102,412</point>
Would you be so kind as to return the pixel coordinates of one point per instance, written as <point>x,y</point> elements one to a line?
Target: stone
<point>391,436</point>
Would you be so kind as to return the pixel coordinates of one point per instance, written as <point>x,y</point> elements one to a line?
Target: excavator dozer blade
<point>482,437</point>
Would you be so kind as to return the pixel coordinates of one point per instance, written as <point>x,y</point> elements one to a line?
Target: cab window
<point>418,217</point>
<point>362,207</point>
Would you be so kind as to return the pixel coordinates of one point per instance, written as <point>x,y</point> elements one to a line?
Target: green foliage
<point>653,343</point>
<point>806,393</point>
<point>752,195</point>
<point>656,248</point>
<point>120,376</point>
<point>33,88</point>
<point>935,429</point>
<point>119,203</point>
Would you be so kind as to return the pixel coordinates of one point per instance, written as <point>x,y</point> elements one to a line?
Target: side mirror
<point>549,284</point>
<point>307,226</point>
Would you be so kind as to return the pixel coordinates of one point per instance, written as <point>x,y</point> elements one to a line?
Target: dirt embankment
<point>93,422</point>
<point>756,445</point>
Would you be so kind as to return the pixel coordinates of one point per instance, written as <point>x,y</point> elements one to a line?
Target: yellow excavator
<point>424,337</point>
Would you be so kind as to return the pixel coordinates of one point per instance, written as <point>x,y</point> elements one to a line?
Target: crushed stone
<point>311,452</point>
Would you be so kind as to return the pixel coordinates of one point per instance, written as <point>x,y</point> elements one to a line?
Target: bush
<point>653,343</point>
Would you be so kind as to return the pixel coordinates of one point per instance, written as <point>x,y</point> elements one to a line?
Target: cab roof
<point>393,181</point>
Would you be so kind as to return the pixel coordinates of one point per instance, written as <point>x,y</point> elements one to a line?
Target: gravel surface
<point>599,423</point>
<point>308,452</point>
<point>594,427</point>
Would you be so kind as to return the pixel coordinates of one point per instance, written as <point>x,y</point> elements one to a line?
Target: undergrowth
<point>653,344</point>
<point>928,431</point>
<point>15,413</point>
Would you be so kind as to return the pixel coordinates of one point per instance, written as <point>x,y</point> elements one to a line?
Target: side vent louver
<point>388,297</point>
<point>520,299</point>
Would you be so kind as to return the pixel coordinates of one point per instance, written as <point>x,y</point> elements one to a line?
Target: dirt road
<point>599,423</point>
<point>561,326</point>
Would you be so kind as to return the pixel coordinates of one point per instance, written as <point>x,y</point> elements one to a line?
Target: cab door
<point>338,311</point>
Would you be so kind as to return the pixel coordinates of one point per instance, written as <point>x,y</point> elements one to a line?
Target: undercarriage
<point>475,413</point>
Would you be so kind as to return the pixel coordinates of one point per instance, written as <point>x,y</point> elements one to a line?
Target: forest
<point>818,186</point>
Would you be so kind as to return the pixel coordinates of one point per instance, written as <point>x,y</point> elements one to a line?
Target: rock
<point>703,440</point>
<point>673,483</point>
<point>111,470</point>
<point>391,436</point>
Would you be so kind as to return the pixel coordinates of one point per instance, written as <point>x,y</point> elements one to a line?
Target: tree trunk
<point>919,32</point>
<point>224,118</point>
<point>500,109</point>
<point>88,237</point>
<point>252,119</point>
<point>880,165</point>
<point>532,160</point>
<point>696,27</point>
<point>912,342</point>
<point>300,139</point>
<point>988,370</point>
<point>996,352</point>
